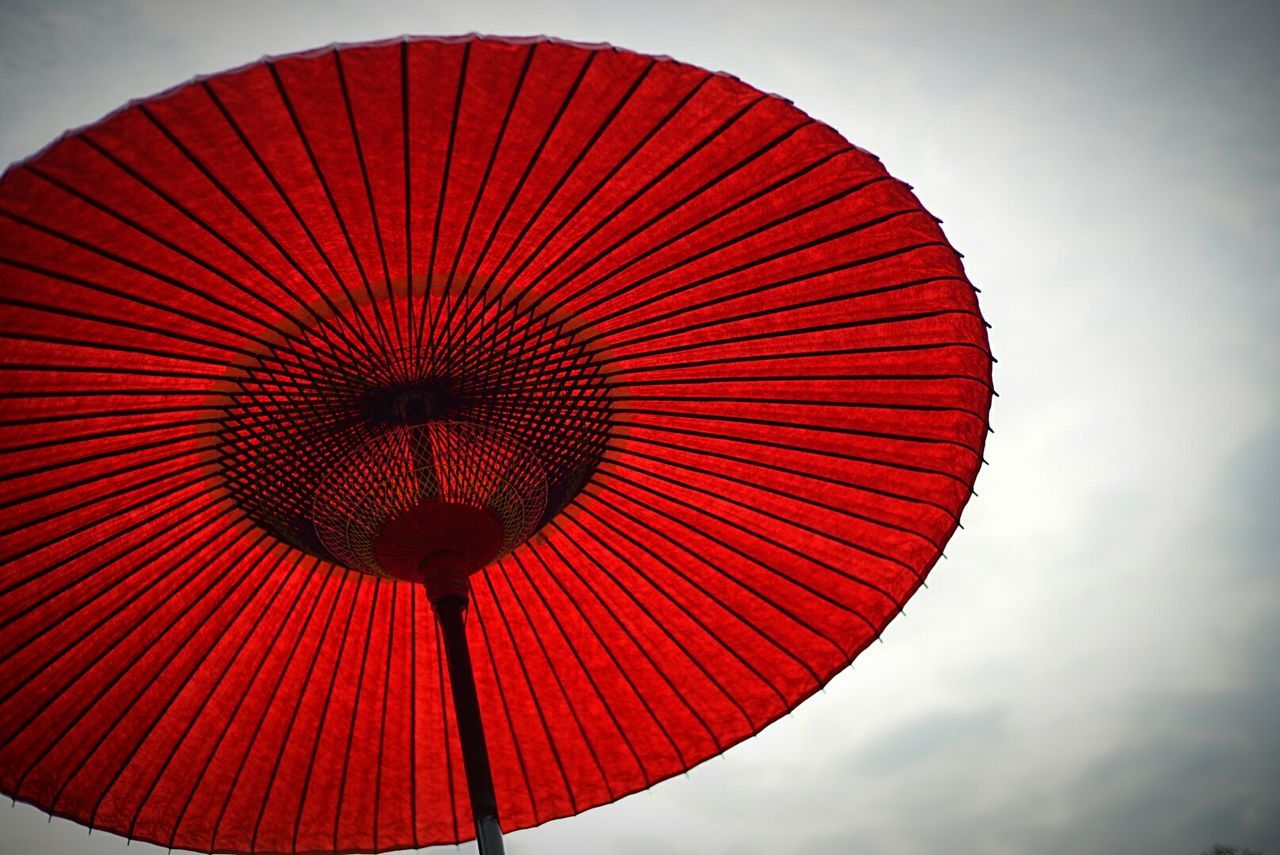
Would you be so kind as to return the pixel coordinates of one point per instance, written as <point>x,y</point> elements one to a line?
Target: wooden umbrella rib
<point>733,578</point>
<point>355,712</point>
<point>343,578</point>
<point>360,581</point>
<point>202,709</point>
<point>384,338</point>
<point>613,657</point>
<point>321,322</point>
<point>477,613</point>
<point>423,335</point>
<point>176,685</point>
<point>244,211</point>
<point>582,668</point>
<point>556,755</point>
<point>608,546</point>
<point>503,126</point>
<point>370,200</point>
<point>720,602</point>
<point>137,593</point>
<point>256,731</point>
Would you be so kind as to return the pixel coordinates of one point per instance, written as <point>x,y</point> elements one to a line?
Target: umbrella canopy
<point>695,388</point>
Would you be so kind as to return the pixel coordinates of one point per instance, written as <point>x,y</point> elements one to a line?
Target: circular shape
<point>746,359</point>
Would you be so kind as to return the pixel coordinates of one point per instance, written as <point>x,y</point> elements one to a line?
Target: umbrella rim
<point>405,38</point>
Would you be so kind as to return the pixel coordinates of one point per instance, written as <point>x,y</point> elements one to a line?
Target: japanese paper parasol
<point>668,388</point>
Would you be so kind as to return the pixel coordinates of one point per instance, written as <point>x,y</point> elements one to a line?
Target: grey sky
<point>1094,667</point>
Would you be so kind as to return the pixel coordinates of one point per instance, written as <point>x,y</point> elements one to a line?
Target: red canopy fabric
<point>769,364</point>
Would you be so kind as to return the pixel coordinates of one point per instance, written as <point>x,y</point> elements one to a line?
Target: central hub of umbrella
<point>417,440</point>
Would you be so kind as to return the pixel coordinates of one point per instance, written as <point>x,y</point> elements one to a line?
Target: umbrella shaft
<point>466,707</point>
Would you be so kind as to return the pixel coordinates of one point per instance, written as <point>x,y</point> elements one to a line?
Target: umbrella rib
<point>68,486</point>
<point>203,706</point>
<point>101,369</point>
<point>534,158</point>
<point>445,730</point>
<point>103,650</point>
<point>209,489</point>
<point>799,354</point>
<point>481,190</point>
<point>32,522</point>
<point>752,420</point>
<point>816,377</point>
<point>290,337</point>
<point>528,683</point>
<point>293,717</point>
<point>284,197</point>
<point>694,619</point>
<point>618,268</point>
<point>385,338</point>
<point>613,657</point>
<point>382,727</point>
<point>508,281</point>
<point>248,215</point>
<point>653,619</point>
<point>765,335</point>
<point>506,708</point>
<point>783,220</point>
<point>109,347</point>
<point>528,579</point>
<point>67,586</point>
<point>158,638</point>
<point>162,241</point>
<point>326,706</point>
<point>252,740</point>
<point>406,150</point>
<point>755,291</point>
<point>711,494</point>
<point>803,448</point>
<point>762,487</point>
<point>772,312</point>
<point>355,712</point>
<point>413,715</point>
<point>605,123</point>
<point>798,402</point>
<point>244,255</point>
<point>107,434</point>
<point>776,467</point>
<point>639,145</point>
<point>89,458</point>
<point>729,577</point>
<point>723,211</point>
<point>373,207</point>
<point>440,203</point>
<point>132,298</point>
<point>763,565</point>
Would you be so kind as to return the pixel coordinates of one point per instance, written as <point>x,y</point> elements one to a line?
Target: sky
<point>1094,666</point>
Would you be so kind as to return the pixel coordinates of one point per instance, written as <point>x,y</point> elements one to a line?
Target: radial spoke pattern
<point>746,360</point>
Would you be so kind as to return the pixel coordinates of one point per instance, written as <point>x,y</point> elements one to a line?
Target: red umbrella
<point>676,394</point>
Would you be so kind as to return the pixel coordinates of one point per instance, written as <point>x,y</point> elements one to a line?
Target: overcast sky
<point>1094,667</point>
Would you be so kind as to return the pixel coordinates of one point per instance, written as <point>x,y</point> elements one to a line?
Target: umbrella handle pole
<point>466,707</point>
